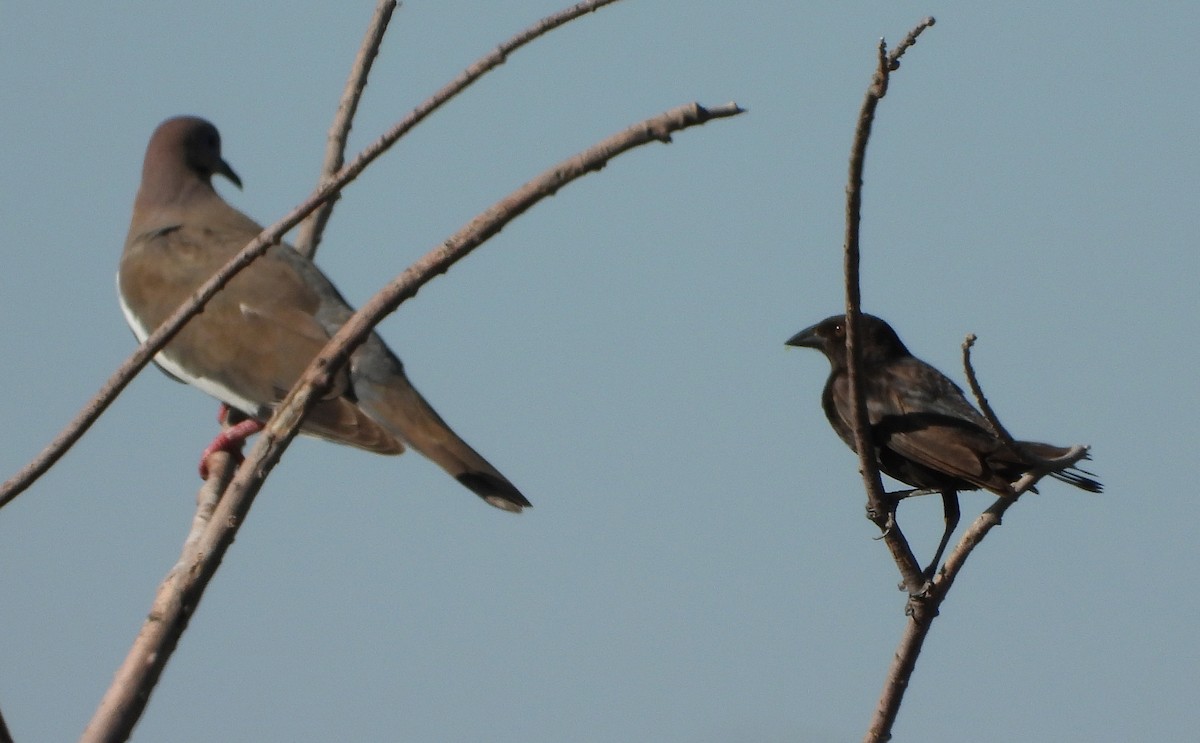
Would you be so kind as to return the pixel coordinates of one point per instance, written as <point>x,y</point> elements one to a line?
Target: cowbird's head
<point>879,342</point>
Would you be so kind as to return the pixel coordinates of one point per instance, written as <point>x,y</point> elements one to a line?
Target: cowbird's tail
<point>1076,476</point>
<point>1079,478</point>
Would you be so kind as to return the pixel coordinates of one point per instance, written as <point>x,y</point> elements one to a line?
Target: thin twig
<point>92,410</point>
<point>907,41</point>
<point>1043,465</point>
<point>879,508</point>
<point>308,237</point>
<point>984,406</point>
<point>181,592</point>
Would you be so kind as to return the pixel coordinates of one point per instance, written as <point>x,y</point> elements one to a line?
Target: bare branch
<point>876,502</point>
<point>181,591</point>
<point>439,260</point>
<point>984,406</point>
<point>281,428</point>
<point>992,517</point>
<point>170,612</point>
<point>309,236</point>
<point>15,485</point>
<point>476,70</point>
<point>896,682</point>
<point>909,40</point>
<point>1044,466</point>
<point>880,509</point>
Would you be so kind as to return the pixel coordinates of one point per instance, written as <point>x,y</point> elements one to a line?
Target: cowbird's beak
<point>806,338</point>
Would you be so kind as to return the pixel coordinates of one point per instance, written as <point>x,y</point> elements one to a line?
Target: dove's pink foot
<point>230,440</point>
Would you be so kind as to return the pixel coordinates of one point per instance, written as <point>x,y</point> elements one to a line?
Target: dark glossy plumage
<point>925,431</point>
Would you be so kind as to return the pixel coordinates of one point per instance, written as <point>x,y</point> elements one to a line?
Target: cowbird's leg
<point>952,512</point>
<point>892,500</point>
<point>899,495</point>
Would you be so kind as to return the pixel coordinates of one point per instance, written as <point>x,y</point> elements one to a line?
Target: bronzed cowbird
<point>924,431</point>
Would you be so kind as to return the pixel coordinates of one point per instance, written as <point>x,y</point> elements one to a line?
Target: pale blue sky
<point>696,567</point>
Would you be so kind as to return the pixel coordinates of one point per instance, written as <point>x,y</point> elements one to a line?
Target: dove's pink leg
<point>230,440</point>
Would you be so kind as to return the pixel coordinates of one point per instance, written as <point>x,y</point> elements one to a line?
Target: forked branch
<point>923,608</point>
<point>880,508</point>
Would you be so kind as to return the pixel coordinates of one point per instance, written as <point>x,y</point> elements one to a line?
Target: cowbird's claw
<point>887,527</point>
<point>920,593</point>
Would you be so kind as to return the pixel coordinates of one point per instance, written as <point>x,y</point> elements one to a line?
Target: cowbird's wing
<point>922,416</point>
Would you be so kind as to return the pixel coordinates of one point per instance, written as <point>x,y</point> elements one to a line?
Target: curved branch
<point>212,535</point>
<point>92,410</point>
<point>880,509</point>
<point>283,424</point>
<point>877,508</point>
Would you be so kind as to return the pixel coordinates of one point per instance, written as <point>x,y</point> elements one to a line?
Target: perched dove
<point>254,339</point>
